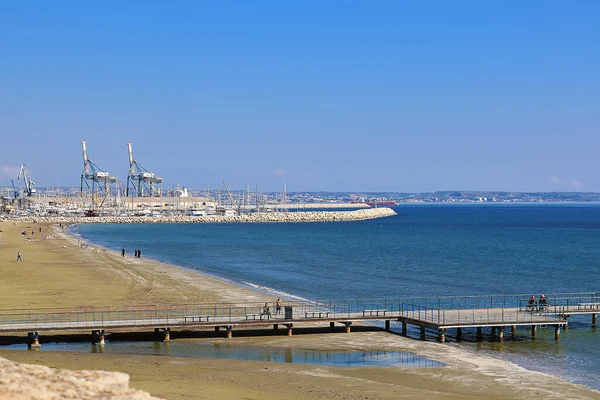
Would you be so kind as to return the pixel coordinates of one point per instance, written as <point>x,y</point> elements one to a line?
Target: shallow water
<point>227,351</point>
<point>427,250</point>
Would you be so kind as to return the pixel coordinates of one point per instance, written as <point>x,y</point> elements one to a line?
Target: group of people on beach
<point>533,304</point>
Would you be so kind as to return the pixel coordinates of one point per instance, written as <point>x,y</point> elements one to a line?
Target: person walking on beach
<point>278,306</point>
<point>139,253</point>
<point>123,253</point>
<point>19,256</point>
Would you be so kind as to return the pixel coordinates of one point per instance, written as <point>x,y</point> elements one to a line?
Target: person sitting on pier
<point>543,301</point>
<point>266,310</point>
<point>531,303</point>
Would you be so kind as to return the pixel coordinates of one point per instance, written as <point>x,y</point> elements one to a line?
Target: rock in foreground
<point>29,382</point>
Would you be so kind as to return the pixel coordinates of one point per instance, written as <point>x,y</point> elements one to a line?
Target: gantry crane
<point>100,180</point>
<point>141,181</point>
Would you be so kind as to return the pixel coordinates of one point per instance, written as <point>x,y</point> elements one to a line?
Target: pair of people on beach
<point>137,253</point>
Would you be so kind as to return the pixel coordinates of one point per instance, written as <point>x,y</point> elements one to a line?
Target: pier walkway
<point>439,314</point>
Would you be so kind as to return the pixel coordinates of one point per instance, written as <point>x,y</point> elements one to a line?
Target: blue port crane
<point>141,181</point>
<point>24,175</point>
<point>15,191</point>
<point>95,179</point>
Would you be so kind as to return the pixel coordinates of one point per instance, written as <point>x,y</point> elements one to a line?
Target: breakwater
<point>301,216</point>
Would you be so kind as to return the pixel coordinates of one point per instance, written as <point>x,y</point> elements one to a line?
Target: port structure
<point>14,189</point>
<point>24,175</point>
<point>95,179</point>
<point>140,181</point>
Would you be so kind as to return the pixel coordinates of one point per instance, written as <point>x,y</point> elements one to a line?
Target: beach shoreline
<point>126,281</point>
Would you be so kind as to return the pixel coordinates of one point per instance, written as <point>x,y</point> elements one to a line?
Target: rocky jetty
<point>28,382</point>
<point>301,216</point>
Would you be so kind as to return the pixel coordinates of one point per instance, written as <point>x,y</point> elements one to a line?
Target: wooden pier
<point>439,314</point>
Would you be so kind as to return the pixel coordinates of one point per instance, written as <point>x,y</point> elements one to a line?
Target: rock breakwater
<point>302,216</point>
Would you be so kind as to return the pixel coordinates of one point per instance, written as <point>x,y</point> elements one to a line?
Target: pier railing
<point>451,310</point>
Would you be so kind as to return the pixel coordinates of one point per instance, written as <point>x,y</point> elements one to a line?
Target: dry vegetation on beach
<point>56,272</point>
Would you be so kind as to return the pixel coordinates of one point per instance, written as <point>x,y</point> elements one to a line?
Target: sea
<point>425,250</point>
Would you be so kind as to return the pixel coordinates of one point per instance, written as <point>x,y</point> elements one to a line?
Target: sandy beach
<point>57,272</point>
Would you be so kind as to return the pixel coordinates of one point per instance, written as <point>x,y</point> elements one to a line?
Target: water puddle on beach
<point>249,353</point>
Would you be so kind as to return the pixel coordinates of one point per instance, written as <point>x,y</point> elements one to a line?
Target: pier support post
<point>459,334</point>
<point>276,327</point>
<point>332,326</point>
<point>217,329</point>
<point>98,337</point>
<point>387,325</point>
<point>513,331</point>
<point>422,333</point>
<point>289,328</point>
<point>493,330</point>
<point>404,328</point>
<point>594,320</point>
<point>347,325</point>
<point>533,331</point>
<point>566,325</point>
<point>479,334</point>
<point>557,332</point>
<point>33,340</point>
<point>501,334</point>
<point>229,331</point>
<point>442,335</point>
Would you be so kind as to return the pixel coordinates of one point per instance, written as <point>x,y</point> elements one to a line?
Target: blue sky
<point>324,95</point>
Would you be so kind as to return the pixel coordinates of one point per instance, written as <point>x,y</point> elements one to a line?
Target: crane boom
<point>131,160</point>
<point>86,162</point>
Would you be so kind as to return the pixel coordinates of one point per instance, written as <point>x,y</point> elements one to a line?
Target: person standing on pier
<point>278,306</point>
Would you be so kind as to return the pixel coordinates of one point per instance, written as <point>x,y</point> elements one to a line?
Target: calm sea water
<point>429,250</point>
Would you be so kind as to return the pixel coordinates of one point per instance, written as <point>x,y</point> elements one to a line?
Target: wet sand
<point>56,272</point>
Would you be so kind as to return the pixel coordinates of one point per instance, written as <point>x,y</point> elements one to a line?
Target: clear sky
<point>324,95</point>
